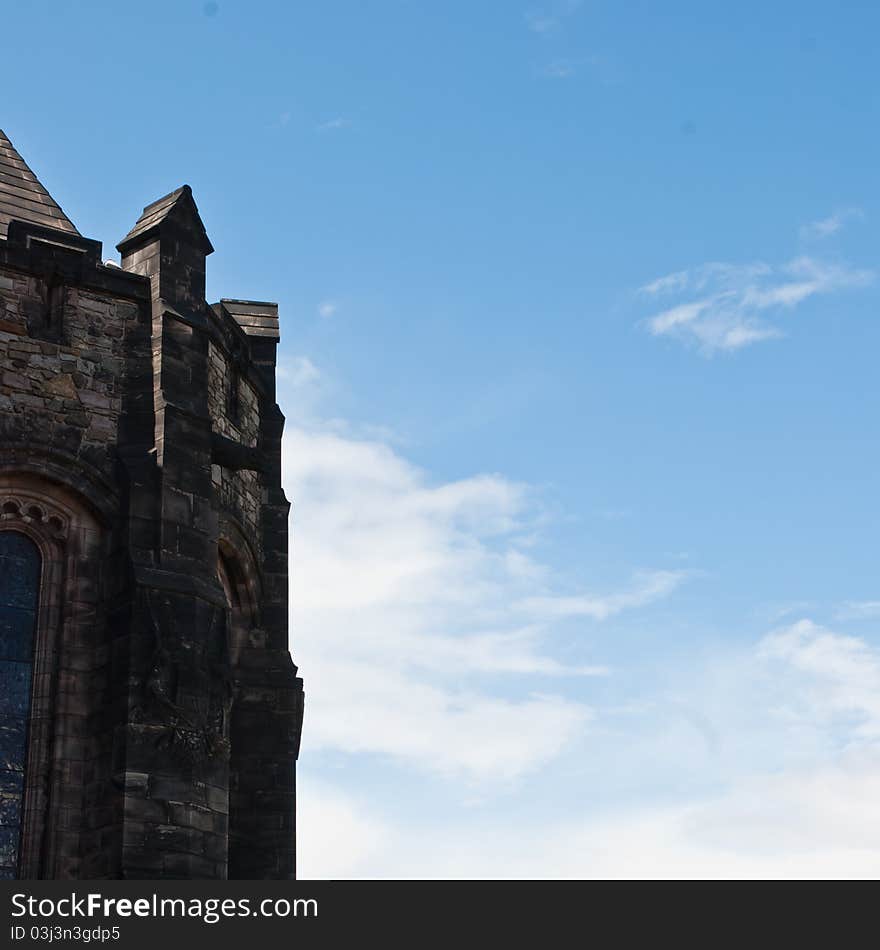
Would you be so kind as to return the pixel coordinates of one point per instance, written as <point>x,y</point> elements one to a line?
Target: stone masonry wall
<point>238,491</point>
<point>73,354</point>
<point>61,384</point>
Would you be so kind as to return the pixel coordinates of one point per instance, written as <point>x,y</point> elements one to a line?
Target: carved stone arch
<point>241,580</point>
<point>70,538</point>
<point>238,573</point>
<point>69,473</point>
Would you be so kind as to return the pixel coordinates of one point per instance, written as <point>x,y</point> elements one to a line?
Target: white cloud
<point>334,835</point>
<point>422,620</point>
<point>327,308</point>
<point>298,372</point>
<point>729,306</point>
<point>838,678</point>
<point>455,733</point>
<point>806,813</point>
<point>428,630</point>
<point>405,591</point>
<point>825,227</point>
<point>807,823</point>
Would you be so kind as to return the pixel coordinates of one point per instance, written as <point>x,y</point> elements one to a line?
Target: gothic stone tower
<point>150,712</point>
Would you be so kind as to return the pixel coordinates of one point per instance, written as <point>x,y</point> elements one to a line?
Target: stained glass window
<point>19,587</point>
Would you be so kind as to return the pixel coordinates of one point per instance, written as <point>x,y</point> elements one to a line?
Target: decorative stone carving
<point>196,733</point>
<point>34,510</point>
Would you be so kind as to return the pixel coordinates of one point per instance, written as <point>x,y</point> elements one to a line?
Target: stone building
<point>150,712</point>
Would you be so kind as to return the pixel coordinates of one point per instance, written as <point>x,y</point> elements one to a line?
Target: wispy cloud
<point>327,308</point>
<point>816,822</point>
<point>404,589</point>
<point>297,372</point>
<point>549,18</point>
<point>646,588</point>
<point>859,610</point>
<point>422,618</point>
<point>782,737</point>
<point>600,67</point>
<point>541,22</point>
<point>825,227</point>
<point>335,124</point>
<point>726,307</point>
<point>559,69</point>
<point>838,678</point>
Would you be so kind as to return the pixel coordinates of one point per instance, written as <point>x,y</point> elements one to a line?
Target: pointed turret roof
<point>179,205</point>
<point>22,197</point>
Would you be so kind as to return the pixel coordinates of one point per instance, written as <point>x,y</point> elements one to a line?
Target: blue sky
<point>579,343</point>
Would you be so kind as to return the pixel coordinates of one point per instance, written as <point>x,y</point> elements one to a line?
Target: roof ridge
<point>155,213</point>
<point>171,194</point>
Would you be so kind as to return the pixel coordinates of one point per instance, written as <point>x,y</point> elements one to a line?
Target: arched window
<point>20,565</point>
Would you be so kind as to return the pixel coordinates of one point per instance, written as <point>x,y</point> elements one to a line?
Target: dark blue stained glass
<point>15,688</point>
<point>10,783</point>
<point>13,739</point>
<point>19,588</point>
<point>16,633</point>
<point>8,845</point>
<point>10,810</point>
<point>19,570</point>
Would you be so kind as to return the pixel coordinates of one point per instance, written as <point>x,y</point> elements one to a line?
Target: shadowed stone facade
<point>153,712</point>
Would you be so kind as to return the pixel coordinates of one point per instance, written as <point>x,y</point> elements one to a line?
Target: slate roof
<point>22,197</point>
<point>154,214</point>
<point>255,317</point>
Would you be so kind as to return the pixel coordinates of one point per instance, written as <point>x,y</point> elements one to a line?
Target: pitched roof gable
<point>23,197</point>
<point>177,206</point>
